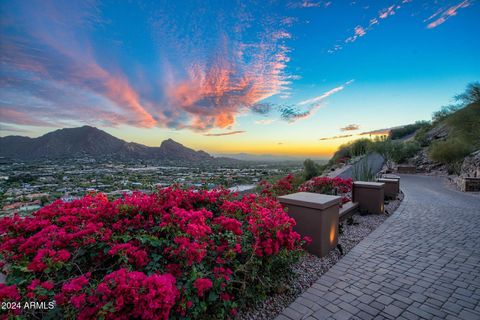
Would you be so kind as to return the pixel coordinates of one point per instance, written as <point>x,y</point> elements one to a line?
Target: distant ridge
<point>92,142</point>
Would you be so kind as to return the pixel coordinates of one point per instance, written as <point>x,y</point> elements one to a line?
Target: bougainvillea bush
<point>326,185</point>
<point>282,186</point>
<point>175,254</point>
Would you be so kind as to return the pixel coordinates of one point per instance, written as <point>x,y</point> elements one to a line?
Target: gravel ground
<point>310,267</point>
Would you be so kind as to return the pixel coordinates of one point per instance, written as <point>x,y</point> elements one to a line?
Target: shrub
<point>172,254</point>
<point>343,153</point>
<point>421,136</point>
<point>402,151</point>
<point>465,125</point>
<point>310,169</point>
<point>279,188</point>
<point>363,171</point>
<point>449,152</point>
<point>352,149</point>
<point>360,147</point>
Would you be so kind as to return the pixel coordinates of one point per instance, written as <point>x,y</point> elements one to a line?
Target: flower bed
<point>326,185</point>
<point>173,254</point>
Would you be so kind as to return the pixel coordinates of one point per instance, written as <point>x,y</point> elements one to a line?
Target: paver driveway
<point>422,263</point>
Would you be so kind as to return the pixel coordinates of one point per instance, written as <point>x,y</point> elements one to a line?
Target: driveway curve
<point>422,263</point>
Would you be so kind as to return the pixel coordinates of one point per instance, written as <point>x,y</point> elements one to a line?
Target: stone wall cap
<point>370,185</point>
<point>310,200</point>
<point>390,176</point>
<point>471,178</point>
<point>387,180</point>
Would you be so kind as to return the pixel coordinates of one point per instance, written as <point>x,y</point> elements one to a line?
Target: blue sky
<point>280,77</point>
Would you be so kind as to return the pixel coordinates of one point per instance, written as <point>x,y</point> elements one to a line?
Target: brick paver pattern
<point>422,263</point>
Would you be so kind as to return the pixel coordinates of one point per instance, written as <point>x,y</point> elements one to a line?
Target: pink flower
<point>9,293</point>
<point>229,224</point>
<point>202,285</point>
<point>78,301</point>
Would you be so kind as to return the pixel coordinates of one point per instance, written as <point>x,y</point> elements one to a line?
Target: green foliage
<point>360,147</point>
<point>363,172</point>
<point>464,125</point>
<point>450,152</point>
<point>421,136</point>
<point>343,152</point>
<point>471,94</point>
<point>402,151</point>
<point>382,146</point>
<point>395,151</point>
<point>399,133</point>
<point>352,149</point>
<point>444,112</point>
<point>310,169</point>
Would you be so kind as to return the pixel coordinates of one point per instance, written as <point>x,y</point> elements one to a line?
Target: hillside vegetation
<point>462,125</point>
<point>443,142</point>
<point>451,135</point>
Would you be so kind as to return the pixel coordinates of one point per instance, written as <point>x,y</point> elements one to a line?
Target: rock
<point>439,131</point>
<point>471,165</point>
<point>425,165</point>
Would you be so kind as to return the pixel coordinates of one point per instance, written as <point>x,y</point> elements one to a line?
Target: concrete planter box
<point>392,187</point>
<point>370,196</point>
<point>406,169</point>
<point>317,217</point>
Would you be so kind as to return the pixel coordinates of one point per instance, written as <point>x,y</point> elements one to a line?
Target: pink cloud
<point>13,116</point>
<point>196,86</point>
<point>214,94</point>
<point>445,15</point>
<point>385,13</point>
<point>360,31</point>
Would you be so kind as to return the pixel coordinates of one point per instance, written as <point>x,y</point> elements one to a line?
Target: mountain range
<point>92,142</point>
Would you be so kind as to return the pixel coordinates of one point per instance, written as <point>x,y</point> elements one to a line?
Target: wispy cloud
<point>376,132</point>
<point>291,113</point>
<point>336,137</point>
<point>445,15</point>
<point>8,128</point>
<point>390,11</point>
<point>224,133</point>
<point>326,94</point>
<point>306,108</point>
<point>360,31</point>
<point>350,127</point>
<point>262,108</point>
<point>310,4</point>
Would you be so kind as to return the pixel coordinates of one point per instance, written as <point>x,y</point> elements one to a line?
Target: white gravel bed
<point>311,267</point>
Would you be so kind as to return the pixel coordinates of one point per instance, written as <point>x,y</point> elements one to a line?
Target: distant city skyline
<point>294,78</point>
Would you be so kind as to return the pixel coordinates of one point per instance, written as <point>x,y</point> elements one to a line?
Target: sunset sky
<point>265,77</point>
